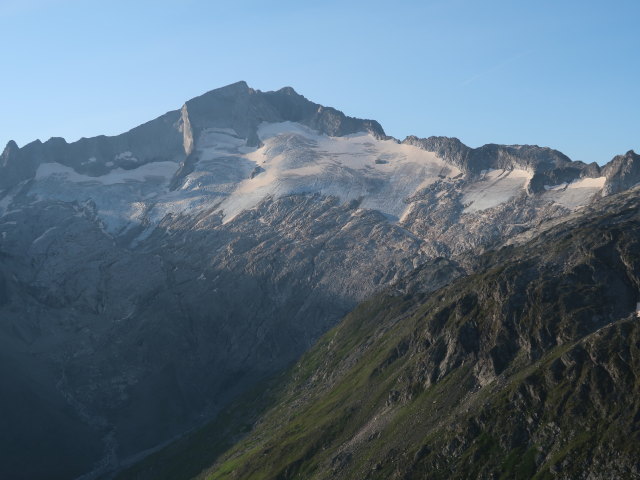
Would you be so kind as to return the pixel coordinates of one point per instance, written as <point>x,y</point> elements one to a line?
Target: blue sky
<point>560,73</point>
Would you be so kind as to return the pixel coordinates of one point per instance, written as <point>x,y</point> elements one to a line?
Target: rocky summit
<point>152,280</point>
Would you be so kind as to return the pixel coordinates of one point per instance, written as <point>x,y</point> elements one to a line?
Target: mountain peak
<point>234,89</point>
<point>239,85</point>
<point>242,108</point>
<point>288,91</point>
<point>11,145</point>
<point>9,153</point>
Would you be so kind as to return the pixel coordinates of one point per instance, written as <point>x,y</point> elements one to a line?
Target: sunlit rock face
<point>147,279</point>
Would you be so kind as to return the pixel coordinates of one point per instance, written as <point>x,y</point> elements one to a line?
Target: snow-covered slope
<point>121,196</point>
<point>495,187</point>
<point>231,177</point>
<point>577,193</point>
<point>380,174</point>
<point>228,176</point>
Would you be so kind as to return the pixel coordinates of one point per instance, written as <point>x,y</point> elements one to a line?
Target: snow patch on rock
<point>575,194</point>
<point>118,195</point>
<point>493,188</point>
<point>126,156</point>
<point>158,172</point>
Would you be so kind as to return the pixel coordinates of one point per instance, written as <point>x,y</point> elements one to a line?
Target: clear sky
<point>561,73</point>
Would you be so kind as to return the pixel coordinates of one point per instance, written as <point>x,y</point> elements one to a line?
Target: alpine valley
<point>255,286</point>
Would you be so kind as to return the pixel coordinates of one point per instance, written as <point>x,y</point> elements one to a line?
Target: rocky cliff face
<point>622,172</point>
<point>152,277</point>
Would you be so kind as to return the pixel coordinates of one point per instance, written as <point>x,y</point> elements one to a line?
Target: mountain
<point>149,279</point>
<point>525,367</point>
